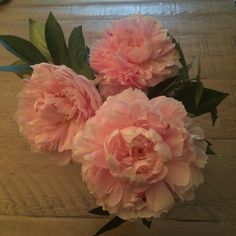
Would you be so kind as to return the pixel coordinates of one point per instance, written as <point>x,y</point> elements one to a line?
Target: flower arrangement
<point>122,111</point>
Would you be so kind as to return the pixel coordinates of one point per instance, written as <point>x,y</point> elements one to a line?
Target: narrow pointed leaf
<point>181,57</point>
<point>198,69</point>
<point>209,151</point>
<point>114,223</point>
<point>214,116</point>
<point>76,44</point>
<point>147,223</point>
<point>22,73</point>
<point>99,211</point>
<point>86,54</point>
<point>17,69</point>
<point>37,37</point>
<point>22,48</point>
<point>78,52</point>
<point>56,41</point>
<point>199,92</point>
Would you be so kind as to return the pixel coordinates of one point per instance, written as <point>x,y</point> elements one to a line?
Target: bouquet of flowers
<point>122,111</point>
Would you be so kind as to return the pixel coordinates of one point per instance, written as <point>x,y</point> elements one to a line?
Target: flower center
<point>135,154</point>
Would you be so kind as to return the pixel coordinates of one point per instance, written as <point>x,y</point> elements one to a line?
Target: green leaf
<point>209,101</point>
<point>22,73</point>
<point>182,58</point>
<point>214,116</point>
<point>21,69</point>
<point>99,211</point>
<point>56,42</point>
<point>86,54</point>
<point>161,88</point>
<point>147,223</point>
<point>209,151</point>
<point>79,52</point>
<point>114,223</point>
<point>76,44</point>
<point>86,70</point>
<point>22,48</point>
<point>199,92</point>
<point>198,70</point>
<point>37,37</point>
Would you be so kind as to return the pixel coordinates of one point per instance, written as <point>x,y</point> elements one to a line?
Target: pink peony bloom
<point>54,105</point>
<point>133,52</point>
<point>138,154</point>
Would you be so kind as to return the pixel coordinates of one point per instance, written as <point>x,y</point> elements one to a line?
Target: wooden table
<point>37,197</point>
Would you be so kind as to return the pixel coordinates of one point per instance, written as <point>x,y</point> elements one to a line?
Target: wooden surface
<point>37,197</point>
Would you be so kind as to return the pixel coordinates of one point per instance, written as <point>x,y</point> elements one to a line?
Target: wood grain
<point>51,226</point>
<point>38,197</point>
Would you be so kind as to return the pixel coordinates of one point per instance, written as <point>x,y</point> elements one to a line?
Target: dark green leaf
<point>17,69</point>
<point>209,101</point>
<point>37,37</point>
<point>160,88</point>
<point>209,151</point>
<point>24,72</point>
<point>199,92</point>
<point>198,70</point>
<point>79,52</point>
<point>181,57</point>
<point>214,116</point>
<point>114,223</point>
<point>22,48</point>
<point>86,70</point>
<point>208,142</point>
<point>86,54</point>
<point>147,223</point>
<point>56,42</point>
<point>76,44</point>
<point>99,211</point>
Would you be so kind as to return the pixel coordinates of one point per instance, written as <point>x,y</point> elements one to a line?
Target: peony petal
<point>115,195</point>
<point>178,173</point>
<point>103,182</point>
<point>159,198</point>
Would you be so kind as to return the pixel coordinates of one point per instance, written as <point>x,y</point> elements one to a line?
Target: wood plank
<point>28,226</point>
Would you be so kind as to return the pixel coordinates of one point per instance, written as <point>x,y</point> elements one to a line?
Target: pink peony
<point>133,52</point>
<point>138,154</point>
<point>54,105</point>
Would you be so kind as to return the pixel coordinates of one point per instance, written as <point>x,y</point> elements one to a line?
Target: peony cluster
<point>138,154</point>
<point>133,52</point>
<point>54,105</point>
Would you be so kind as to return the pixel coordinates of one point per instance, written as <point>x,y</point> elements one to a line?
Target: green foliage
<point>147,223</point>
<point>37,37</point>
<point>79,53</point>
<point>22,48</point>
<point>114,223</point>
<point>99,211</point>
<point>18,69</point>
<point>48,45</point>
<point>56,42</point>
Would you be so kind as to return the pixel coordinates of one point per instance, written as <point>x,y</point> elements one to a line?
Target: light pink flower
<point>137,155</point>
<point>133,52</point>
<point>54,105</point>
